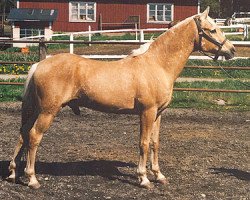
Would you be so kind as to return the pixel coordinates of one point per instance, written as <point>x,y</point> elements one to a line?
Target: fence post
<point>136,34</point>
<point>42,49</point>
<point>246,32</point>
<point>90,35</point>
<point>71,45</point>
<point>141,36</point>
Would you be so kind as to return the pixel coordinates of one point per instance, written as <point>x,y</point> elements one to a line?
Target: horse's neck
<point>175,46</point>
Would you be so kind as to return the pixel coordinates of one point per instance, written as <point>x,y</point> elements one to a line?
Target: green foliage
<point>214,7</point>
<point>34,49</point>
<point>19,57</point>
<point>13,49</point>
<point>5,56</point>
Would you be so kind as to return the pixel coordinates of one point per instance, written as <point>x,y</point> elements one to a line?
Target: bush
<point>13,49</point>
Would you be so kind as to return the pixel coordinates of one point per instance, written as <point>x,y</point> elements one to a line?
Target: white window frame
<point>34,32</point>
<point>160,22</point>
<point>81,20</point>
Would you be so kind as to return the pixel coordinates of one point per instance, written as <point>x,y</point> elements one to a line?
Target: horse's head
<point>211,39</point>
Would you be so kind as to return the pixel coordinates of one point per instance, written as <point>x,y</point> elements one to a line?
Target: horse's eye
<point>213,31</point>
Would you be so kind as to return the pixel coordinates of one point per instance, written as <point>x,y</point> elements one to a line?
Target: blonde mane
<point>142,49</point>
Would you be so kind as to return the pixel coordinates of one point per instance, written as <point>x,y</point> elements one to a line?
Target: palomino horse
<point>138,84</point>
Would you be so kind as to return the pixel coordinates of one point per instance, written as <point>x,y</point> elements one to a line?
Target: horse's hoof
<point>10,179</point>
<point>163,181</point>
<point>34,186</point>
<point>147,185</point>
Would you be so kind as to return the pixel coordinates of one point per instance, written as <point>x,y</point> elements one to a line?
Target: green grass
<point>10,93</point>
<point>217,73</point>
<point>206,100</point>
<point>237,62</point>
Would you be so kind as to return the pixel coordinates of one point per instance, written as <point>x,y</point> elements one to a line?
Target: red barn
<point>75,15</point>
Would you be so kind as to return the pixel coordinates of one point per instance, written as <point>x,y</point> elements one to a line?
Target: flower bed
<point>14,69</point>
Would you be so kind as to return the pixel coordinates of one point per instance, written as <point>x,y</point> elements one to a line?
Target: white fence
<point>140,34</point>
<point>220,21</point>
<point>241,29</point>
<point>140,37</point>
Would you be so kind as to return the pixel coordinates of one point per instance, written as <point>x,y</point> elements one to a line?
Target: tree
<point>5,6</point>
<point>227,8</point>
<point>214,7</point>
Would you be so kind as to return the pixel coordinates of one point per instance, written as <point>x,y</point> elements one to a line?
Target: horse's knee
<point>144,146</point>
<point>155,145</point>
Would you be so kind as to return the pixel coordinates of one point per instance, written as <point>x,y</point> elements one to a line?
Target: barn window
<point>160,12</point>
<point>82,11</point>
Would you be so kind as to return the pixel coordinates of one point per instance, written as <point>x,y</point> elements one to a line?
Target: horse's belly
<point>108,103</point>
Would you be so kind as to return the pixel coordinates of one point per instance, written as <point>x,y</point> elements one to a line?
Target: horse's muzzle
<point>229,54</point>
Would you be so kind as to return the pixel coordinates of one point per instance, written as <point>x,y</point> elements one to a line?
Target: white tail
<point>30,74</point>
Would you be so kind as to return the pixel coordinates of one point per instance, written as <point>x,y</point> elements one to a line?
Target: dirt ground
<point>204,154</point>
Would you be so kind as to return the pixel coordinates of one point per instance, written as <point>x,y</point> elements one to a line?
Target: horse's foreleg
<point>35,136</point>
<point>154,152</point>
<point>16,160</point>
<point>146,125</point>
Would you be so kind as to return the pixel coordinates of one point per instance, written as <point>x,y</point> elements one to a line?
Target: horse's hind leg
<point>35,136</point>
<point>29,115</point>
<point>154,153</point>
<point>16,160</point>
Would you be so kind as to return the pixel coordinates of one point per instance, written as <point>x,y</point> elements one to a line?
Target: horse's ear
<point>205,13</point>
